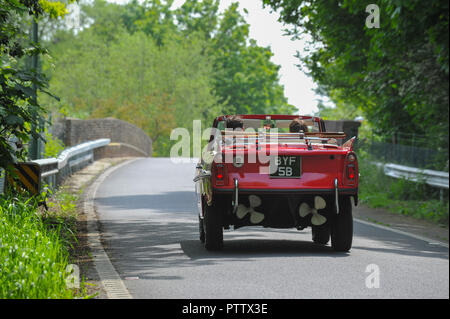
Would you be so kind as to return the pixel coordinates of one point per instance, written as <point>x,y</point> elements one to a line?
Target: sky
<point>267,31</point>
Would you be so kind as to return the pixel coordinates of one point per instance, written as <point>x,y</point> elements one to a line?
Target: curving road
<point>149,223</point>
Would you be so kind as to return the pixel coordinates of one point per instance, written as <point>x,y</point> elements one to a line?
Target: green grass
<point>33,259</point>
<point>400,196</point>
<point>62,215</point>
<point>36,246</point>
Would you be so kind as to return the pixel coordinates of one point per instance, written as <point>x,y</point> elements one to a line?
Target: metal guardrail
<point>55,170</point>
<point>433,178</point>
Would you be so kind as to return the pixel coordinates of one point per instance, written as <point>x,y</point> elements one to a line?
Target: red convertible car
<point>262,173</point>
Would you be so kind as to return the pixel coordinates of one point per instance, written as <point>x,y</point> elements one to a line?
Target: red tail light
<point>219,172</point>
<point>351,172</point>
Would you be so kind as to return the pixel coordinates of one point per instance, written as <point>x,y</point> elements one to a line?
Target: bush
<point>53,146</point>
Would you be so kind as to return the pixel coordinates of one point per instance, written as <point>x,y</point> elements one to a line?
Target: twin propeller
<point>304,210</point>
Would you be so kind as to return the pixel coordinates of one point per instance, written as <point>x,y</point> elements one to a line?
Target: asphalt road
<point>150,229</point>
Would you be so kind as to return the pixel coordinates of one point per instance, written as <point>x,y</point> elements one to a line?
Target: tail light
<point>351,171</point>
<point>219,172</point>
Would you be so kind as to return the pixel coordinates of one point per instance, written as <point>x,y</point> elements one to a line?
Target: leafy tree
<point>160,68</point>
<point>133,78</point>
<point>246,79</point>
<point>397,74</point>
<point>195,16</point>
<point>20,112</point>
<point>53,146</point>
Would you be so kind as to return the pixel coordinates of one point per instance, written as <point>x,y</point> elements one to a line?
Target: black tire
<point>321,234</point>
<point>201,230</point>
<point>213,227</point>
<point>342,226</point>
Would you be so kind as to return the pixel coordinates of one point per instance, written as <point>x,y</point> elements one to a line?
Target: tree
<point>246,80</point>
<point>160,63</point>
<point>195,16</point>
<point>133,78</point>
<point>20,112</point>
<point>397,74</point>
<point>160,68</point>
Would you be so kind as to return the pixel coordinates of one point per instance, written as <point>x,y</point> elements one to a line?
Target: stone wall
<point>126,138</point>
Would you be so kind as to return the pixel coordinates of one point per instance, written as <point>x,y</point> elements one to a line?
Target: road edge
<point>109,277</point>
<point>428,240</point>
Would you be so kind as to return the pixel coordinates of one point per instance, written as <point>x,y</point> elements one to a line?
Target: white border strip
<point>428,240</point>
<point>110,279</point>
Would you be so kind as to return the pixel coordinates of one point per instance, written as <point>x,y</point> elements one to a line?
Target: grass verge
<point>35,248</point>
<point>400,196</point>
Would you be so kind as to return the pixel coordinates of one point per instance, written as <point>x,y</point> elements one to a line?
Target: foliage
<point>161,68</point>
<point>245,78</point>
<point>132,78</point>
<point>20,113</point>
<point>400,195</point>
<point>53,146</point>
<point>34,259</point>
<point>397,74</point>
<point>62,214</point>
<point>18,110</point>
<point>54,9</point>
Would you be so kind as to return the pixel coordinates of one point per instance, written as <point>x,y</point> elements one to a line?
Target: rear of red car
<point>300,171</point>
<point>280,180</point>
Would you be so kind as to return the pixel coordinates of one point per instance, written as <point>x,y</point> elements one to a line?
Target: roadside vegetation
<point>53,146</point>
<point>400,196</point>
<point>36,247</point>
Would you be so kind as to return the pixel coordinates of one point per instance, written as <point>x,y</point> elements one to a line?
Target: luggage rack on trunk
<point>245,137</point>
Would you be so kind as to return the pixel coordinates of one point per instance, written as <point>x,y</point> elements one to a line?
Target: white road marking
<point>428,240</point>
<point>110,279</point>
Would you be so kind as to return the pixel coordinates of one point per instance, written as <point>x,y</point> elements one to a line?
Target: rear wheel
<point>321,234</point>
<point>212,224</point>
<point>342,226</point>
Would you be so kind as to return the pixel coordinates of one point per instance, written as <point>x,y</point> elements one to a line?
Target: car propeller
<point>317,219</point>
<point>255,217</point>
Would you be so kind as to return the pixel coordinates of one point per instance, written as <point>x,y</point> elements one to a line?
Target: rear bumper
<point>303,191</point>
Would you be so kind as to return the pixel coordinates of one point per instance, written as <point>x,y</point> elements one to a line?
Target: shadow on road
<point>142,233</point>
<point>259,248</point>
<point>394,243</point>
<point>142,247</point>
